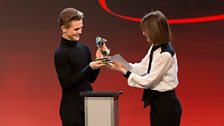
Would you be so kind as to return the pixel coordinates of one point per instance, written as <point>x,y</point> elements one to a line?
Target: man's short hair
<point>69,14</point>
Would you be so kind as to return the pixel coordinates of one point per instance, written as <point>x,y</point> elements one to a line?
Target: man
<point>75,69</point>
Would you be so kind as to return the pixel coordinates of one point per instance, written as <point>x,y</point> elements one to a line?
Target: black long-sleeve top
<point>72,60</point>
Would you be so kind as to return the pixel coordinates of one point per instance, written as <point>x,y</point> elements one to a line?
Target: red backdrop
<point>30,92</point>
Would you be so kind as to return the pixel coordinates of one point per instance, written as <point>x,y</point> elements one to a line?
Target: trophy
<point>101,44</point>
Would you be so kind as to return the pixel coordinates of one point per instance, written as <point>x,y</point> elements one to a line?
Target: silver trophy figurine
<point>101,44</point>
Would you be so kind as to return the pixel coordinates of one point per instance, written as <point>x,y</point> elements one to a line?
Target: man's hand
<point>102,52</point>
<point>99,54</point>
<point>96,64</point>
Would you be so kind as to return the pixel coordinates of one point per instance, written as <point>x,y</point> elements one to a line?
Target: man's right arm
<point>68,81</point>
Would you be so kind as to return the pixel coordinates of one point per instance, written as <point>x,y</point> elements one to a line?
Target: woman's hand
<point>117,67</point>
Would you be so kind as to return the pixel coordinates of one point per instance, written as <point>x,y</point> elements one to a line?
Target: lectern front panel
<point>101,111</point>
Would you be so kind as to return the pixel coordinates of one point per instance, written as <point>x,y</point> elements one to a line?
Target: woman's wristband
<point>127,74</point>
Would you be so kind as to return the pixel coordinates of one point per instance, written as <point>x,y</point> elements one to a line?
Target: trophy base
<point>104,60</point>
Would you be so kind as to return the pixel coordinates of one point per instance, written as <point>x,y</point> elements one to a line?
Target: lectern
<point>101,108</point>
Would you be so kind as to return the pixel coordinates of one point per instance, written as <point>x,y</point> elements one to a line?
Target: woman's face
<point>146,34</point>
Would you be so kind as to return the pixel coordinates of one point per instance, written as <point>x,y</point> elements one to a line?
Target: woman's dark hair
<point>156,27</point>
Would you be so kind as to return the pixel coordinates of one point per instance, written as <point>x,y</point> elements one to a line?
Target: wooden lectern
<point>101,108</point>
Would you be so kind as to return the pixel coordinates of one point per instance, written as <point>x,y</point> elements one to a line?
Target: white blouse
<point>162,75</point>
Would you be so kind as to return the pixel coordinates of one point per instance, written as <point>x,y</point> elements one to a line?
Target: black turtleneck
<point>74,73</point>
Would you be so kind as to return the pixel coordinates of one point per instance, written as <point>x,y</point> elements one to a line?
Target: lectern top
<point>100,93</point>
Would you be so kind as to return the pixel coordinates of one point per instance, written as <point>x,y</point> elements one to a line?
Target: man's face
<point>74,31</point>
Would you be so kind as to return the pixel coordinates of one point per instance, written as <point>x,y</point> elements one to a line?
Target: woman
<point>157,72</point>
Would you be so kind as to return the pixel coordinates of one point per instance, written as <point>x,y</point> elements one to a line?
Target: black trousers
<point>72,115</point>
<point>165,110</point>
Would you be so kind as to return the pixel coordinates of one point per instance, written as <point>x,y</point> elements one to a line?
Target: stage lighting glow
<point>171,21</point>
